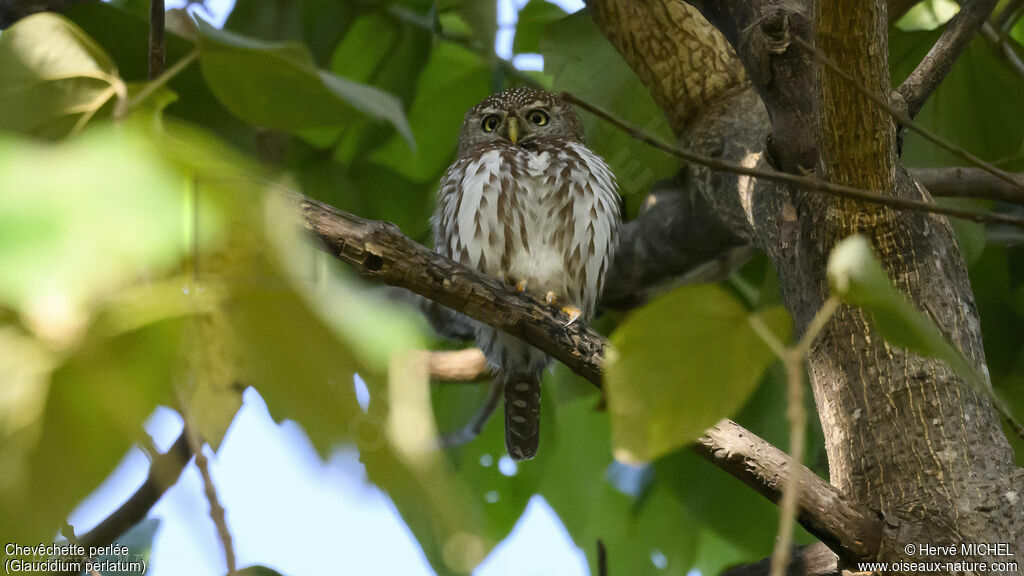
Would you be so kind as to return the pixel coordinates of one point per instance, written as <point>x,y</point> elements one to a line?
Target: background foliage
<point>144,261</point>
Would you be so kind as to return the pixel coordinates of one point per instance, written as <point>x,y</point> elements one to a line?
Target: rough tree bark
<point>904,437</point>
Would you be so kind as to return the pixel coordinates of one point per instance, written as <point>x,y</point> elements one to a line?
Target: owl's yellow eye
<point>538,117</point>
<point>490,123</point>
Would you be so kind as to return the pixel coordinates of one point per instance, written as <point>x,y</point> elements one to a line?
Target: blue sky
<point>289,510</point>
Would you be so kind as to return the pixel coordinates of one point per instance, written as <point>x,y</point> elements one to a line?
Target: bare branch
<point>163,473</point>
<point>846,528</point>
<point>379,251</point>
<point>217,513</point>
<point>936,64</point>
<point>968,182</point>
<point>805,183</point>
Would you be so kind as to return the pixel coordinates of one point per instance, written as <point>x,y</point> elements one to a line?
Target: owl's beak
<point>513,130</point>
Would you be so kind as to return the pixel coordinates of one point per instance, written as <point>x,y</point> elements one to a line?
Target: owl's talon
<point>521,286</point>
<point>573,313</point>
<point>550,298</point>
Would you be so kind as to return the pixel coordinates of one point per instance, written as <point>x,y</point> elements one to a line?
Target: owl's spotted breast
<point>546,215</point>
<point>526,200</point>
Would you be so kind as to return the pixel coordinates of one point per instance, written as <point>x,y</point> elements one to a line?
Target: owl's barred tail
<point>522,415</point>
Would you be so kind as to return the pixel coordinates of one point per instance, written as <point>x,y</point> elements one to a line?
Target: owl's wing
<point>468,223</point>
<point>595,221</point>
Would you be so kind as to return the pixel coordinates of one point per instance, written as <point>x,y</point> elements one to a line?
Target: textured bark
<point>904,437</point>
<point>845,527</point>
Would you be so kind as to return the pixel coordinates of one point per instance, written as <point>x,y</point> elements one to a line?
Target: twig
<point>163,473</point>
<point>380,252</point>
<point>162,79</point>
<point>936,64</point>
<point>602,559</point>
<point>157,46</point>
<point>993,36</point>
<point>849,530</point>
<point>797,415</point>
<point>905,120</point>
<point>968,182</point>
<point>217,513</point>
<point>467,365</point>
<point>804,182</point>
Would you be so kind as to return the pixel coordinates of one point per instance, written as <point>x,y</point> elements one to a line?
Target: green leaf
<point>857,277</point>
<point>671,371</point>
<point>277,84</point>
<point>56,78</point>
<point>533,18</point>
<point>453,81</point>
<point>584,63</point>
<point>81,219</point>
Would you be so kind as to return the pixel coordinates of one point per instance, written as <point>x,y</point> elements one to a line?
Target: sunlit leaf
<point>277,84</point>
<point>56,78</point>
<point>82,218</point>
<point>672,372</point>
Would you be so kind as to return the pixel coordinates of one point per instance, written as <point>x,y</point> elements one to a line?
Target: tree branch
<point>968,182</point>
<point>936,64</point>
<point>379,251</point>
<point>814,560</point>
<point>163,473</point>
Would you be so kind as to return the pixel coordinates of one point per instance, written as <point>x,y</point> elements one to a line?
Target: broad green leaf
<point>584,63</point>
<point>672,369</point>
<point>533,18</point>
<point>989,131</point>
<point>56,78</point>
<point>81,219</point>
<point>453,81</point>
<point>277,84</point>
<point>857,277</point>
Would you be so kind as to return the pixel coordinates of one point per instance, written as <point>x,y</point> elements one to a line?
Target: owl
<point>527,202</point>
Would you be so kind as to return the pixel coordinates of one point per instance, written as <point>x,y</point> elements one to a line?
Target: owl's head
<point>520,116</point>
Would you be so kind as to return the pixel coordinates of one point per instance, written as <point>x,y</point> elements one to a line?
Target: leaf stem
<point>160,81</point>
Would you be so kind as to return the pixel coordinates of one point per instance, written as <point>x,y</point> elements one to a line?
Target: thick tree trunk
<point>904,437</point>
